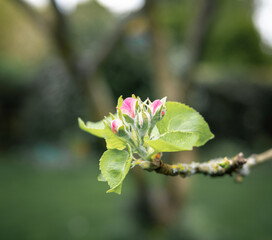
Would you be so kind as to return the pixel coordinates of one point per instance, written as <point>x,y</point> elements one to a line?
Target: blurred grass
<point>223,209</point>
<point>45,203</point>
<point>40,203</point>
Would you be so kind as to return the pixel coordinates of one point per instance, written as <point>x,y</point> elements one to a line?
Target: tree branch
<point>214,168</point>
<point>107,45</point>
<point>61,35</point>
<point>57,31</point>
<point>34,15</point>
<point>85,72</point>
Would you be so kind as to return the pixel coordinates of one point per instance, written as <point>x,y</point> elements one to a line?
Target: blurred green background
<point>60,61</point>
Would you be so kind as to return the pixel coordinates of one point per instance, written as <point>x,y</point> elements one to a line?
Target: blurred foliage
<point>233,39</point>
<point>48,166</point>
<point>89,25</point>
<point>128,78</point>
<point>20,40</point>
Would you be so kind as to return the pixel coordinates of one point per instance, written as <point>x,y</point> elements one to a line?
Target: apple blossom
<point>157,105</point>
<point>115,125</point>
<point>128,106</point>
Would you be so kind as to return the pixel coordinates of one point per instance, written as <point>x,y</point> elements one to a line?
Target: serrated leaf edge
<point>113,189</point>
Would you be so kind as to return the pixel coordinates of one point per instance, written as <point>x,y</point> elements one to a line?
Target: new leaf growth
<point>140,130</point>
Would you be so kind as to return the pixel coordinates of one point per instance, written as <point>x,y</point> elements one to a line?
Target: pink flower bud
<point>115,125</point>
<point>155,106</point>
<point>128,107</point>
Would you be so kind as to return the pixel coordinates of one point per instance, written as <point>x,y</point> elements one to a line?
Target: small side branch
<point>214,168</point>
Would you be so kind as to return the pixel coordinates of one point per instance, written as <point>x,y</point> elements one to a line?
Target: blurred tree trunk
<point>164,83</point>
<point>166,203</point>
<point>196,40</point>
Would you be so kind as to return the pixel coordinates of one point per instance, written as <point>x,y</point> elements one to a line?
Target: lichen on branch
<point>238,165</point>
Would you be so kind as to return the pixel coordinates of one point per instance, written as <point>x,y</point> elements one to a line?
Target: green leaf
<point>155,133</point>
<point>114,166</point>
<point>102,130</point>
<point>173,142</point>
<point>112,140</point>
<point>181,129</point>
<point>96,129</point>
<point>120,101</point>
<point>101,178</point>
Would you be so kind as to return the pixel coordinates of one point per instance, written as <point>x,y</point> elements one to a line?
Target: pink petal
<point>128,106</point>
<point>155,105</point>
<point>115,125</point>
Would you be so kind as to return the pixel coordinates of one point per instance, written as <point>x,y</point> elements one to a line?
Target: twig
<point>214,168</point>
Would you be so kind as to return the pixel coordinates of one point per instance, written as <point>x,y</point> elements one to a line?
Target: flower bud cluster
<point>136,119</point>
